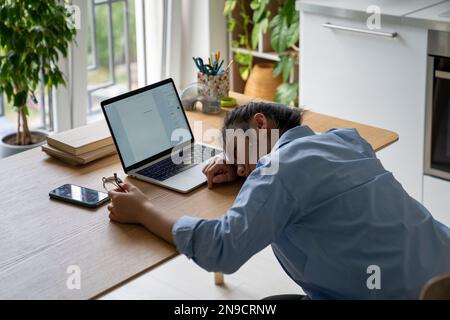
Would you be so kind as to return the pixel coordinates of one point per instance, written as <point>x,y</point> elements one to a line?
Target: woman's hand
<point>128,207</point>
<point>218,171</point>
<point>134,207</point>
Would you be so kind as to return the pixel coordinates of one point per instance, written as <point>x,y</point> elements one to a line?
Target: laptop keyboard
<point>166,169</point>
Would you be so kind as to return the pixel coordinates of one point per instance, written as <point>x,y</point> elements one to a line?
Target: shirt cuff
<point>182,232</point>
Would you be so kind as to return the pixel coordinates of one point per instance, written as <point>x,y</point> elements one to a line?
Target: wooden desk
<point>41,238</point>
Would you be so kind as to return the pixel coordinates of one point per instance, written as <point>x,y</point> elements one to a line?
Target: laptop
<point>154,139</point>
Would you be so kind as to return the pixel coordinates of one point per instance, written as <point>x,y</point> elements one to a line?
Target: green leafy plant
<point>34,34</point>
<point>244,60</point>
<point>260,20</point>
<point>285,35</point>
<point>250,27</point>
<point>284,28</point>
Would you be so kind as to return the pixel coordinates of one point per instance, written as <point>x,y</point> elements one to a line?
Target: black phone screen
<point>79,194</point>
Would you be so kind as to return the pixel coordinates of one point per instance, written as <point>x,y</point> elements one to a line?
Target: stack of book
<point>82,145</point>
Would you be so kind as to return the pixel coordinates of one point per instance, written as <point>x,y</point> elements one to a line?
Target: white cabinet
<point>436,198</point>
<point>371,79</point>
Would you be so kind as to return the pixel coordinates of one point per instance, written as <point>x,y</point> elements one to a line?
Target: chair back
<point>438,288</point>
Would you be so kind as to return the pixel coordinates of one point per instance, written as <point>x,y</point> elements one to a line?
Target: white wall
<point>203,30</point>
<point>195,28</point>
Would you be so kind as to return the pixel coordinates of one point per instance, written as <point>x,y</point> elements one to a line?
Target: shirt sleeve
<point>260,213</point>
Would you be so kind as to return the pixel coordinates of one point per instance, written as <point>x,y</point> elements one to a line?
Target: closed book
<point>80,159</point>
<point>60,155</point>
<point>82,140</point>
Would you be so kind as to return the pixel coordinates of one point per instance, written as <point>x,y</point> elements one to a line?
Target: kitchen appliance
<point>437,126</point>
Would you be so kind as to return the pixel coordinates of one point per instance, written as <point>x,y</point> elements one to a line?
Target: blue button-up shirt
<point>340,225</point>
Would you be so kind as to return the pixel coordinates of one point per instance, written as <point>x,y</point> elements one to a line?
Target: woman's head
<point>257,120</point>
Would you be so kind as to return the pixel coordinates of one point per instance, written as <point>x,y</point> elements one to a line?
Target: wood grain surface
<point>40,238</point>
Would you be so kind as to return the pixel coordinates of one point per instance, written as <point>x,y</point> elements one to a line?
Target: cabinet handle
<point>442,74</point>
<point>375,33</point>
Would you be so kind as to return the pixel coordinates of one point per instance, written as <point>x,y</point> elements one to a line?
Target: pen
<point>229,65</point>
<point>220,67</point>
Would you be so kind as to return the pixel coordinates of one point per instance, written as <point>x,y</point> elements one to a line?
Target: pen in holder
<point>213,80</point>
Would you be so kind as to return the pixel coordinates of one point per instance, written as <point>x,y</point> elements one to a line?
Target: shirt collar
<point>293,134</point>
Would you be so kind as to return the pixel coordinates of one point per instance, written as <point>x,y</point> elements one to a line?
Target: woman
<point>340,225</point>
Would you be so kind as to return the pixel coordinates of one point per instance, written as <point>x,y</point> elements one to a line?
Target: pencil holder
<point>217,86</point>
<point>193,97</point>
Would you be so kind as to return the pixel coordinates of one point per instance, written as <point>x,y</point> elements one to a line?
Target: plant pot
<point>261,82</point>
<point>7,149</point>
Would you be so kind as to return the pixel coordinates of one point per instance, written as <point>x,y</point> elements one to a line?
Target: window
<point>112,56</point>
<point>132,43</point>
<point>123,45</point>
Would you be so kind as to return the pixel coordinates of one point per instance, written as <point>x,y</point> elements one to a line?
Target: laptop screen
<point>142,124</point>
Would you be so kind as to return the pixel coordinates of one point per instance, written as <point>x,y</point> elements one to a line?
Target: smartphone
<point>80,196</point>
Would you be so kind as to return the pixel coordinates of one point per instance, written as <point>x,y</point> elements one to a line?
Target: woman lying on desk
<point>340,225</point>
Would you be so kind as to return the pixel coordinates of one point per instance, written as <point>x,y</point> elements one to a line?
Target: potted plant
<point>34,35</point>
<point>255,19</point>
<point>285,27</point>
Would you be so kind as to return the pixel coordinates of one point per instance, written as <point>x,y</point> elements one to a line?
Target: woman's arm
<point>134,207</point>
<point>159,223</point>
<point>260,212</point>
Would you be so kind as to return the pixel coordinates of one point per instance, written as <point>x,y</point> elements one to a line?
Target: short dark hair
<point>283,117</point>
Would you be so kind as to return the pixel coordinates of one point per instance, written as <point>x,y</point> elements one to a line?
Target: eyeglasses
<point>112,183</point>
